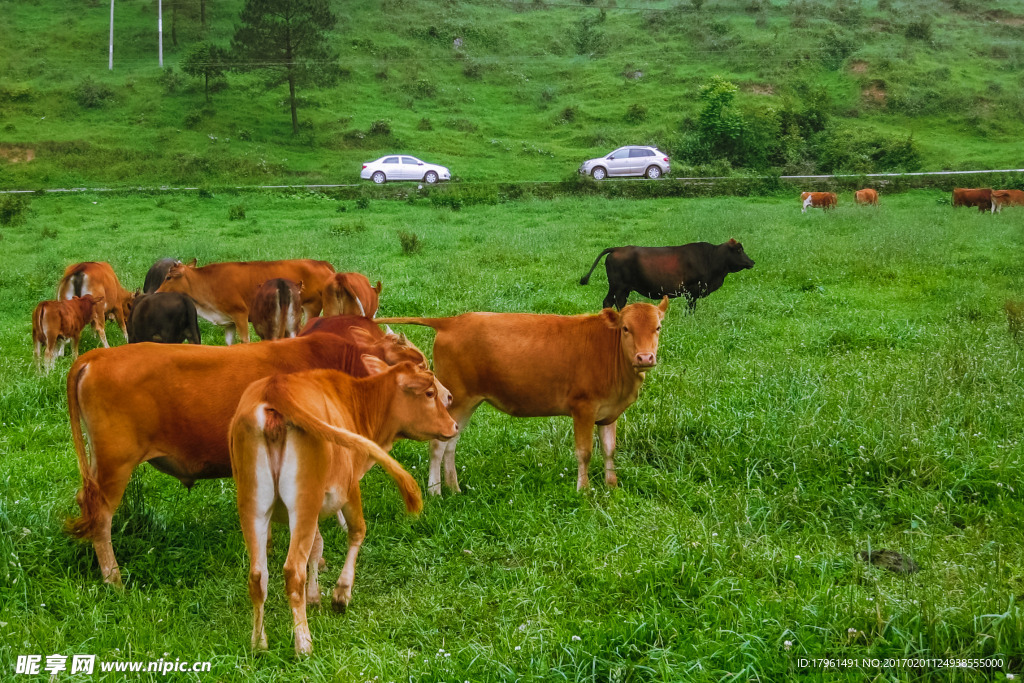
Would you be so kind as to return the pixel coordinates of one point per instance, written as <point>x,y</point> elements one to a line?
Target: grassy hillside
<point>851,391</point>
<point>535,88</point>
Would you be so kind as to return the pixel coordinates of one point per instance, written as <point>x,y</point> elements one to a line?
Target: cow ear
<point>734,244</point>
<point>415,382</point>
<point>361,336</point>
<point>663,306</point>
<point>611,318</point>
<point>192,263</point>
<point>302,286</point>
<point>403,340</point>
<point>374,365</point>
<point>379,288</point>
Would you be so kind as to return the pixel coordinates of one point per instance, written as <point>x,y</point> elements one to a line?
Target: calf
<point>276,309</point>
<point>59,321</point>
<point>98,278</point>
<point>170,405</point>
<point>351,294</point>
<point>300,443</point>
<point>981,198</point>
<point>691,270</point>
<point>1001,198</point>
<point>589,367</point>
<point>866,196</point>
<point>818,200</point>
<point>164,318</point>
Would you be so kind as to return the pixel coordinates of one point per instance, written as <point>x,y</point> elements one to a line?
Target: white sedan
<point>399,167</point>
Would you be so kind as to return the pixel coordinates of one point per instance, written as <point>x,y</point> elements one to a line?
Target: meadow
<point>859,388</point>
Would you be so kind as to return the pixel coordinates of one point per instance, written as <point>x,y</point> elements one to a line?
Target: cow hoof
<point>611,482</point>
<point>339,606</point>
<point>321,563</point>
<point>434,489</point>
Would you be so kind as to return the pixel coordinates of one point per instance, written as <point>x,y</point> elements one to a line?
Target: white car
<point>401,167</point>
<point>631,160</point>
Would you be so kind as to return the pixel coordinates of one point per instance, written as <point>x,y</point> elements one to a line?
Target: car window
<point>621,153</point>
<point>634,153</point>
<point>409,160</point>
<point>391,160</point>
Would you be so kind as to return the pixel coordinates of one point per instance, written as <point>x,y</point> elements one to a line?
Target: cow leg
<point>444,451</point>
<point>74,345</point>
<point>583,431</point>
<point>255,519</point>
<point>607,436</point>
<point>101,332</point>
<point>303,524</point>
<point>242,325</point>
<point>37,353</point>
<point>313,569</point>
<point>353,511</point>
<point>621,298</point>
<point>609,299</point>
<point>119,319</point>
<point>111,487</point>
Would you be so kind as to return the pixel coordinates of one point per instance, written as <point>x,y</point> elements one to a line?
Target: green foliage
<point>90,93</point>
<point>920,29</point>
<point>410,242</point>
<point>380,127</point>
<point>13,208</point>
<point>236,212</point>
<point>636,113</point>
<point>170,80</point>
<point>363,203</point>
<point>586,37</point>
<point>836,45</point>
<point>842,149</point>
<point>206,61</point>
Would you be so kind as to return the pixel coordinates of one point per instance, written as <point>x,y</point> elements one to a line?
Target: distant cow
<point>351,294</point>
<point>56,322</point>
<point>981,198</point>
<point>866,196</point>
<point>300,443</point>
<point>98,278</point>
<point>156,275</point>
<point>818,200</point>
<point>589,367</point>
<point>164,318</point>
<point>1001,198</point>
<point>691,270</point>
<point>276,309</point>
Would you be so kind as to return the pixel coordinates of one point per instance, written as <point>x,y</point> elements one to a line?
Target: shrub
<point>424,88</point>
<point>236,213</point>
<point>636,113</point>
<point>696,4</point>
<point>473,69</point>
<point>244,134</point>
<point>586,37</point>
<point>175,224</point>
<point>919,30</point>
<point>48,233</point>
<point>91,94</point>
<point>424,124</point>
<point>410,242</point>
<point>193,118</point>
<point>381,127</point>
<point>363,203</point>
<point>13,208</point>
<point>569,114</point>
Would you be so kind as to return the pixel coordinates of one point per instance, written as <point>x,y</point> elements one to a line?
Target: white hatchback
<point>401,167</point>
<point>626,161</point>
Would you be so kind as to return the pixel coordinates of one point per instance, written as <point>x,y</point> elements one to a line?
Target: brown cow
<point>170,405</point>
<point>98,278</point>
<point>276,309</point>
<point>818,200</point>
<point>351,294</point>
<point>1001,198</point>
<point>59,321</point>
<point>867,197</point>
<point>300,443</point>
<point>223,291</point>
<point>979,197</point>
<point>589,367</point>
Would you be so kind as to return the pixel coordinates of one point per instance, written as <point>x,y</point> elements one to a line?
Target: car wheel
<point>430,178</point>
<point>653,172</point>
<point>599,173</point>
<point>378,177</point>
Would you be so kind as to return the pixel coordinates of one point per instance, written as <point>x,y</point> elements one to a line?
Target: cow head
<point>391,348</point>
<point>639,326</point>
<point>176,280</point>
<point>419,410</point>
<point>736,259</point>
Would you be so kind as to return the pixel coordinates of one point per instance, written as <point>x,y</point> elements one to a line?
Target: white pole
<point>111,64</point>
<point>160,28</point>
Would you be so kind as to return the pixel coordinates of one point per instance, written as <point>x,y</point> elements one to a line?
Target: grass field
<point>858,388</point>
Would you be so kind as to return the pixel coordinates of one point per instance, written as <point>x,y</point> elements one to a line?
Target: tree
<point>286,39</point>
<point>205,61</point>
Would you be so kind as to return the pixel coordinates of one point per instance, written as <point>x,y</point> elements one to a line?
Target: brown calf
<point>1001,198</point>
<point>98,278</point>
<point>300,443</point>
<point>351,294</point>
<point>818,200</point>
<point>59,321</point>
<point>276,309</point>
<point>866,196</point>
<point>979,197</point>
<point>589,367</point>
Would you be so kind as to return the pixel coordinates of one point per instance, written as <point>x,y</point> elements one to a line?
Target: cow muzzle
<point>643,361</point>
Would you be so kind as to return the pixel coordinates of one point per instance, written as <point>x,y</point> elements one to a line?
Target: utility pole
<point>160,29</point>
<point>111,64</point>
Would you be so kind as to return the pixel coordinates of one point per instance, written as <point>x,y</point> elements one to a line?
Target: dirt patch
<point>759,88</point>
<point>859,66</point>
<point>874,93</point>
<point>17,155</point>
<point>1003,17</point>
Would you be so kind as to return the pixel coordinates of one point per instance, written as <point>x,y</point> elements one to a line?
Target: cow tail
<point>586,278</point>
<point>280,398</point>
<point>435,323</point>
<point>284,307</point>
<point>90,499</point>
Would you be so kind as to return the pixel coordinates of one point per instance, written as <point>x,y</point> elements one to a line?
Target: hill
<point>534,88</point>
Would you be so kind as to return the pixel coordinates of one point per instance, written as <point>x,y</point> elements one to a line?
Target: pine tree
<point>206,61</point>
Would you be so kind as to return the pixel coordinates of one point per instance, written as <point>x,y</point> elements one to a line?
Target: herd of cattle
<point>985,199</point>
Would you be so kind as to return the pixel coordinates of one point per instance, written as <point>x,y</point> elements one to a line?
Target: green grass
<point>497,106</point>
<point>859,387</point>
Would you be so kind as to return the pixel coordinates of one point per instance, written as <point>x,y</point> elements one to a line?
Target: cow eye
<point>625,329</point>
<point>659,329</point>
<point>431,393</point>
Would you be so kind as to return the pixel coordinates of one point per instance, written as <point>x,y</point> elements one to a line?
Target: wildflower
<point>576,638</point>
<point>518,648</point>
<point>788,645</point>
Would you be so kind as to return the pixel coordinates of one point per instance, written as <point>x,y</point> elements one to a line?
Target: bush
<point>236,213</point>
<point>91,94</point>
<point>410,242</point>
<point>193,118</point>
<point>636,113</point>
<point>586,37</point>
<point>13,208</point>
<point>919,30</point>
<point>381,127</point>
<point>424,124</point>
<point>363,203</point>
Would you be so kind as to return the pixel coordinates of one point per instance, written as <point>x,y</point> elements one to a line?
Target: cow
<point>338,324</point>
<point>223,291</point>
<point>98,278</point>
<point>300,443</point>
<point>691,270</point>
<point>979,197</point>
<point>1001,198</point>
<point>589,367</point>
<point>867,197</point>
<point>164,318</point>
<point>56,322</point>
<point>276,309</point>
<point>170,405</point>
<point>351,294</point>
<point>156,274</point>
<point>818,200</point>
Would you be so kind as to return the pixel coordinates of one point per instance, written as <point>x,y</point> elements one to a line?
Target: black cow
<point>692,270</point>
<point>156,275</point>
<point>163,317</point>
